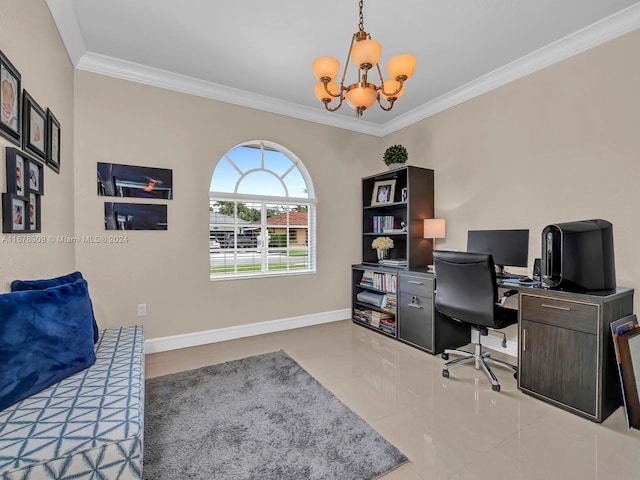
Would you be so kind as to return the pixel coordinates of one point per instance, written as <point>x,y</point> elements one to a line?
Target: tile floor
<point>456,428</point>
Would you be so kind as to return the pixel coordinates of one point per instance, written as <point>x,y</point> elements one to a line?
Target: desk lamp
<point>434,228</point>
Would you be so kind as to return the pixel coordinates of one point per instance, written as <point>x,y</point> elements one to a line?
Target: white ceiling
<point>258,53</point>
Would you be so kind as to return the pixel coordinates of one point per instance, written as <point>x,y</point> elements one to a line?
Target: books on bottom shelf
<point>379,320</point>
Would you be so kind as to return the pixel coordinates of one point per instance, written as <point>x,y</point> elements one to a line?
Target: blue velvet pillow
<point>45,336</point>
<point>19,285</point>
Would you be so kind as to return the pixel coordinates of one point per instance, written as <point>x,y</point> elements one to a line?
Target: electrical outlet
<point>142,309</point>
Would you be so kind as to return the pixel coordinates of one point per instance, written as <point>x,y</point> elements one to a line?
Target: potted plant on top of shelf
<point>395,156</point>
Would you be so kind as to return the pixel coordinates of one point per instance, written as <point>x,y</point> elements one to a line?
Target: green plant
<point>395,154</point>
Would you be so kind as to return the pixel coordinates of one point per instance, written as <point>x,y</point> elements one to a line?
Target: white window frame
<point>264,201</point>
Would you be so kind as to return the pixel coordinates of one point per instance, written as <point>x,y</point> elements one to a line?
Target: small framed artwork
<point>629,349</point>
<point>14,215</point>
<point>24,173</point>
<point>34,125</point>
<point>16,165</point>
<point>10,125</point>
<point>36,178</point>
<point>53,142</point>
<point>383,192</point>
<point>34,213</point>
<point>403,197</point>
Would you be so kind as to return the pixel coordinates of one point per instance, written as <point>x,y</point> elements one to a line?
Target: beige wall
<point>29,38</point>
<point>559,145</point>
<point>124,122</point>
<point>556,146</point>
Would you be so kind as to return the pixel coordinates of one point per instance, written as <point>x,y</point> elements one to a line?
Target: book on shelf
<point>385,223</point>
<point>394,262</point>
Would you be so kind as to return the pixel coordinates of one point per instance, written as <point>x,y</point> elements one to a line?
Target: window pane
<point>246,158</point>
<point>277,162</point>
<point>225,177</point>
<point>296,185</point>
<point>261,182</point>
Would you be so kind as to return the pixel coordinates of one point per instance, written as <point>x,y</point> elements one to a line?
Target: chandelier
<point>365,54</point>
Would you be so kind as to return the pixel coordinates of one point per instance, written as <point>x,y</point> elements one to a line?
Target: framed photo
<point>116,180</point>
<point>36,178</point>
<point>403,197</point>
<point>135,216</point>
<point>53,142</point>
<point>10,114</point>
<point>24,173</point>
<point>14,213</point>
<point>629,348</point>
<point>34,127</point>
<point>383,192</point>
<point>33,213</point>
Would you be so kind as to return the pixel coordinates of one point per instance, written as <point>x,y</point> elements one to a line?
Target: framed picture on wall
<point>14,213</point>
<point>53,142</point>
<point>383,192</point>
<point>10,113</point>
<point>33,213</point>
<point>24,173</point>
<point>34,126</point>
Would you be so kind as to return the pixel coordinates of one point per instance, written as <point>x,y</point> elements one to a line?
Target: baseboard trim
<point>163,344</point>
<point>495,343</point>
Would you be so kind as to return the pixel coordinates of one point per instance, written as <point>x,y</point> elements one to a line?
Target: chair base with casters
<point>480,359</point>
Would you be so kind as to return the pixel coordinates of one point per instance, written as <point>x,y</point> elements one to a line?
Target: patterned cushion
<point>88,425</point>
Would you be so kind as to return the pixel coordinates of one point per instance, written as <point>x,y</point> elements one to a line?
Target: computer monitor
<point>508,247</point>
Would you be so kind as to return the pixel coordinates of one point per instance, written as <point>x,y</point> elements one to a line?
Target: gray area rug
<point>259,418</point>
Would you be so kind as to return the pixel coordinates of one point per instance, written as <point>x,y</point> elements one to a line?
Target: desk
<point>565,351</point>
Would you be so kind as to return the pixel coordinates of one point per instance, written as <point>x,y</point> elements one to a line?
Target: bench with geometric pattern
<point>88,425</point>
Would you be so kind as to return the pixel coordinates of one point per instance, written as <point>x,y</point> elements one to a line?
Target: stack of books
<point>396,262</point>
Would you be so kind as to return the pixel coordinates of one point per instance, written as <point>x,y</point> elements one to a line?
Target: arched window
<point>262,213</point>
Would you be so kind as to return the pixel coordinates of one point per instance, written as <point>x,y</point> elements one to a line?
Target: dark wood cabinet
<point>566,354</point>
<point>418,322</point>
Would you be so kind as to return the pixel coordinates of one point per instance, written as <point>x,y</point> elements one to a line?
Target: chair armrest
<point>506,295</point>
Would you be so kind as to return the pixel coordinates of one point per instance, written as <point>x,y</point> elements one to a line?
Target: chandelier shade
<point>326,67</point>
<point>365,54</point>
<point>401,66</point>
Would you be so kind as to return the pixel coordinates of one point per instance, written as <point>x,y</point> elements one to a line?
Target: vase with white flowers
<point>382,246</point>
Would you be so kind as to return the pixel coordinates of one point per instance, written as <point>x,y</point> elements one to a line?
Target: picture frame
<point>31,177</point>
<point>383,192</point>
<point>36,177</point>
<point>34,127</point>
<point>53,142</point>
<point>10,111</point>
<point>14,216</point>
<point>403,196</point>
<point>629,349</point>
<point>33,223</point>
<point>620,327</point>
<point>17,182</point>
<point>135,181</point>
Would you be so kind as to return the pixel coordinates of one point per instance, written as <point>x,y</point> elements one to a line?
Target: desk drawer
<point>416,285</point>
<point>582,317</point>
<point>416,320</point>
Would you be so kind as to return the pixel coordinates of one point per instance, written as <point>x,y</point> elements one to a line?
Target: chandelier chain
<point>361,18</point>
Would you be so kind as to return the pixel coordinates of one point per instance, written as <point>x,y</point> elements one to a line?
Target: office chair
<point>466,291</point>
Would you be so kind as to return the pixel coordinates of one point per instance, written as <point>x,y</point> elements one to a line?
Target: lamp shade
<point>389,87</point>
<point>366,52</point>
<point>434,228</point>
<point>359,96</point>
<point>325,67</point>
<point>321,93</point>
<point>401,66</point>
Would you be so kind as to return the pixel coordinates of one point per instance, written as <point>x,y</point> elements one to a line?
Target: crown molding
<point>593,35</point>
<point>134,72</point>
